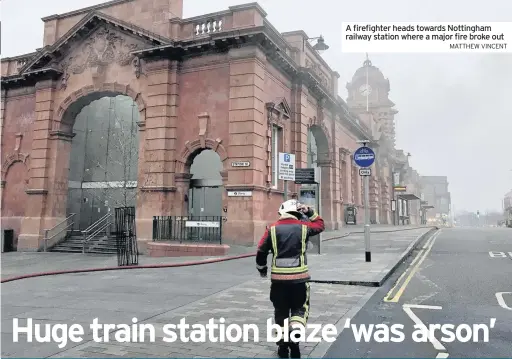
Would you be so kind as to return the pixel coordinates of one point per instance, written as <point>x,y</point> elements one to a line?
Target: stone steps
<point>98,245</point>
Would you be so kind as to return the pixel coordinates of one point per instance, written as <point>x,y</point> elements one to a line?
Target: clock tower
<point>368,97</point>
<point>368,94</point>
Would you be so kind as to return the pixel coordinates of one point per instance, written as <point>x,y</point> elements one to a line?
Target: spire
<point>367,62</point>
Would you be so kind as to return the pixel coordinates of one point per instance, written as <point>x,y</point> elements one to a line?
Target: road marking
<point>501,301</point>
<point>421,306</point>
<point>500,254</point>
<point>442,355</point>
<point>415,266</point>
<point>407,309</point>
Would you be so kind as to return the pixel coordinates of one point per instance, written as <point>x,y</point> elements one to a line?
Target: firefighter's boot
<point>282,349</point>
<point>294,350</point>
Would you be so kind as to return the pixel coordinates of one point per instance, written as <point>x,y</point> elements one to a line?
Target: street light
<point>320,45</point>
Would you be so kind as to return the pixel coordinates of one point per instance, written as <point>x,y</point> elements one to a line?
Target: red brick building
<point>226,82</point>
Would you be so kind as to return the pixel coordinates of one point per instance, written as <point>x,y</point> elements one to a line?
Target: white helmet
<point>289,206</point>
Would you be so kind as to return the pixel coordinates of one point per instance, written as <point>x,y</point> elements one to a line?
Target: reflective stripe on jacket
<point>287,239</point>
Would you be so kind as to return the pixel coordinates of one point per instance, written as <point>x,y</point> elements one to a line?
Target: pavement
<point>464,279</point>
<point>23,263</point>
<point>343,261</point>
<point>231,290</point>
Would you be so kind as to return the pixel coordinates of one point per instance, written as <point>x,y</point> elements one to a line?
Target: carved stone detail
<point>316,69</point>
<point>11,159</point>
<point>203,128</point>
<point>103,48</point>
<point>19,137</point>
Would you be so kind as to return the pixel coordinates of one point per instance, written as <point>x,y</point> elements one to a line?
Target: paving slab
<point>343,261</point>
<point>160,297</point>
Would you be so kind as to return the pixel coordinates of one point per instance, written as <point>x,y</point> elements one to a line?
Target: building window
<point>276,146</point>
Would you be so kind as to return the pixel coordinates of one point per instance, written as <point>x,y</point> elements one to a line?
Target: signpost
<point>305,176</point>
<point>311,176</point>
<point>364,157</point>
<point>365,172</point>
<point>240,164</point>
<point>286,170</point>
<point>239,193</point>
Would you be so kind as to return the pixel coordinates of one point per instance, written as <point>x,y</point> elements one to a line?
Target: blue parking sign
<point>287,157</point>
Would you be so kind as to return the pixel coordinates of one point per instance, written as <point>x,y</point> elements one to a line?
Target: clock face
<point>365,90</point>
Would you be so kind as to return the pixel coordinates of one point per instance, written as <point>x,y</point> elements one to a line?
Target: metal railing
<point>94,229</point>
<point>60,229</point>
<point>188,228</point>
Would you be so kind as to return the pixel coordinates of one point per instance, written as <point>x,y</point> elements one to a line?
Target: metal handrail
<point>47,235</point>
<point>88,229</point>
<point>95,228</point>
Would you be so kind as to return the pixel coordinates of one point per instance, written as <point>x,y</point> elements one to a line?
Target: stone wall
<point>18,114</point>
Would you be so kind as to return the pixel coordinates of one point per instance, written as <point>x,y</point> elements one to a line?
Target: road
<point>458,276</point>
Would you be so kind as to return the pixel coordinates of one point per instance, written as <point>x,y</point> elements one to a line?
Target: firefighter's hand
<point>308,211</point>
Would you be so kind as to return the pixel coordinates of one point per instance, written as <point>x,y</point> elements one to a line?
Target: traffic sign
<point>239,193</point>
<point>305,176</point>
<point>365,172</point>
<point>286,166</point>
<point>364,157</point>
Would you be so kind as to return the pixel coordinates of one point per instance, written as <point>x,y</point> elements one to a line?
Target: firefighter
<point>287,239</point>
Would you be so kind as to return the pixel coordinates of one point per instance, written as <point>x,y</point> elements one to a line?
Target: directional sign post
<point>364,158</point>
<point>286,170</point>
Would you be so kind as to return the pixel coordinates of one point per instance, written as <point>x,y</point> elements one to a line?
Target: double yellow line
<point>415,265</point>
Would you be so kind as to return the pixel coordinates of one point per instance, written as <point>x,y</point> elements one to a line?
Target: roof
<point>45,55</point>
<point>86,9</point>
<point>373,72</point>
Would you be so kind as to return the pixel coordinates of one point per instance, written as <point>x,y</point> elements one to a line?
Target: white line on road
<point>442,355</point>
<point>421,306</point>
<point>407,309</point>
<point>501,301</point>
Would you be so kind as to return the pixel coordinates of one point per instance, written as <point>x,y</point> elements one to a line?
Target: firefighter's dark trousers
<point>291,301</point>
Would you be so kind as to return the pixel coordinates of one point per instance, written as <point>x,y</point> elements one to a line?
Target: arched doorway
<point>104,159</point>
<point>318,157</point>
<point>206,186</point>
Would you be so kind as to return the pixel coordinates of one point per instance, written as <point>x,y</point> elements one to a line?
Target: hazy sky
<point>452,117</point>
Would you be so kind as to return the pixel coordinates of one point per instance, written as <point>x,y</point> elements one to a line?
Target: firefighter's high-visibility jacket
<point>287,239</point>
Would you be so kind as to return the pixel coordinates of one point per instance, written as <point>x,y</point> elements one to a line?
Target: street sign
<point>240,194</point>
<point>365,172</point>
<point>305,176</point>
<point>286,166</point>
<point>240,164</point>
<point>202,224</point>
<point>364,157</point>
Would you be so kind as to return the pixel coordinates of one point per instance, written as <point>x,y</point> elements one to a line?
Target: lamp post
<point>320,45</point>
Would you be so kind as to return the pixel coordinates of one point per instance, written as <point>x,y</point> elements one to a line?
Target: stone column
<point>326,193</point>
<point>60,144</point>
<point>182,181</point>
<point>300,123</point>
<point>247,142</point>
<point>2,112</point>
<point>41,166</point>
<point>326,163</point>
<point>156,166</point>
<point>336,177</point>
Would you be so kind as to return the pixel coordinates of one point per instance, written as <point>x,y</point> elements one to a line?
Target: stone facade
<point>368,97</point>
<point>436,194</point>
<point>217,82</point>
